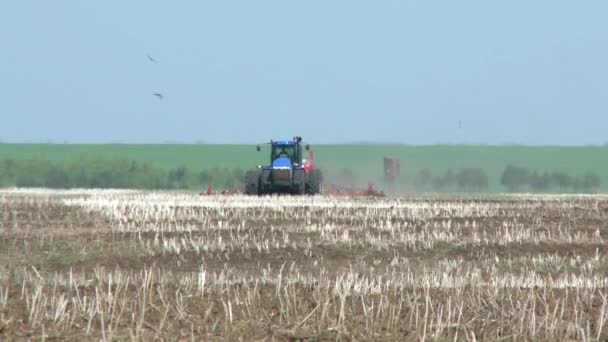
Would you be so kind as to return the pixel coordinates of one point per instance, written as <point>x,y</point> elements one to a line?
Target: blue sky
<point>525,72</point>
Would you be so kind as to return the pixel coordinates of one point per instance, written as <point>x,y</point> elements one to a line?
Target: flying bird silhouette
<point>152,59</point>
<point>159,95</point>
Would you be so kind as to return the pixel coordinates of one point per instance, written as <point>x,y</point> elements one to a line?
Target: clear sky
<point>413,72</point>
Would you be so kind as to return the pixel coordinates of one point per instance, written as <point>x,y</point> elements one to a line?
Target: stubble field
<point>127,265</point>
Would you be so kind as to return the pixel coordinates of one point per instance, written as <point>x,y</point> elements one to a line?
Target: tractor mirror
<point>258,148</point>
<point>307,147</point>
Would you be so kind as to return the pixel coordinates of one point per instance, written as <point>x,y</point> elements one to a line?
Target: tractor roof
<point>283,142</point>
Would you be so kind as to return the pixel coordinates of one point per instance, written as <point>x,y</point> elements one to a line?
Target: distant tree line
<point>115,173</point>
<point>514,179</point>
<point>120,173</point>
<point>466,179</point>
<point>517,179</point>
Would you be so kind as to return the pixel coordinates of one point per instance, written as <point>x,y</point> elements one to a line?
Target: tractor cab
<point>283,154</point>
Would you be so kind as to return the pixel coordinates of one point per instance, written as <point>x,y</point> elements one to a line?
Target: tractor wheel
<point>252,182</point>
<point>301,189</point>
<point>265,183</point>
<point>300,182</point>
<point>315,178</point>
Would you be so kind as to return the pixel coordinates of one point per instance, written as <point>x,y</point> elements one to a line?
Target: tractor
<point>288,172</point>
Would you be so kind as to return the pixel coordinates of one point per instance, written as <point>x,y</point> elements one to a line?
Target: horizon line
<point>360,143</point>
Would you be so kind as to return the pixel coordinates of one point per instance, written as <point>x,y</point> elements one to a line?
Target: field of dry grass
<point>132,265</point>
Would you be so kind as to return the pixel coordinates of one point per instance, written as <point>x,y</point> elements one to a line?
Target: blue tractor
<point>288,172</point>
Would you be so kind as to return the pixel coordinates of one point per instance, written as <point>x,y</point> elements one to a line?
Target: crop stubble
<point>139,265</point>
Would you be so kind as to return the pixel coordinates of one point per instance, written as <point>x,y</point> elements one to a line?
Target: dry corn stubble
<point>139,265</point>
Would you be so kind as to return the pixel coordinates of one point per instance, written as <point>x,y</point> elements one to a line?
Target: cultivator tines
<point>353,192</point>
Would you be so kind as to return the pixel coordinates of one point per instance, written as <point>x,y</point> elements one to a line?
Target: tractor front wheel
<point>299,178</point>
<point>252,178</point>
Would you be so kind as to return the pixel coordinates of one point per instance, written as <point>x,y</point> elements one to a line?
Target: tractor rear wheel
<point>315,178</point>
<point>252,182</point>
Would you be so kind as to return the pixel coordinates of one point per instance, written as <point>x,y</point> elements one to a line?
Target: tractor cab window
<point>286,151</point>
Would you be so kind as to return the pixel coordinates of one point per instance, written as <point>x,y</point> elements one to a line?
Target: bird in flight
<point>152,59</point>
<point>159,95</point>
